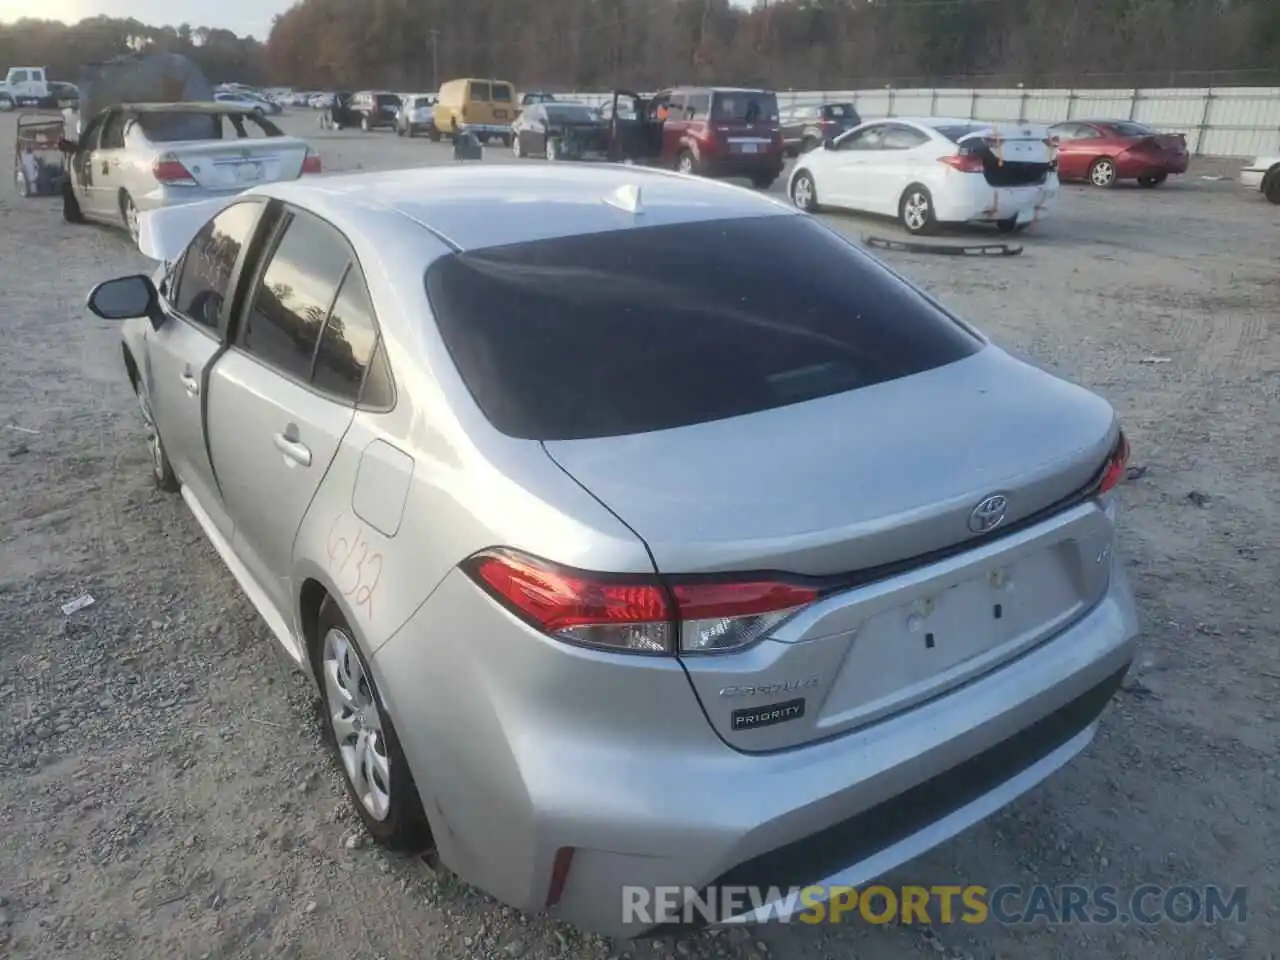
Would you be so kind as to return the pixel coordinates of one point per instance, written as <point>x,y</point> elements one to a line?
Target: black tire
<point>161,470</point>
<point>7,103</point>
<point>809,205</point>
<point>1102,173</point>
<point>763,181</point>
<point>1154,181</point>
<point>70,205</point>
<point>433,133</point>
<point>1271,185</point>
<point>1010,225</point>
<point>915,211</point>
<point>399,130</point>
<point>809,143</point>
<point>404,828</point>
<point>410,132</point>
<point>506,140</point>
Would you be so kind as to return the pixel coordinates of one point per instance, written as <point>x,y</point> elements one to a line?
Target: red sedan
<point>1103,152</point>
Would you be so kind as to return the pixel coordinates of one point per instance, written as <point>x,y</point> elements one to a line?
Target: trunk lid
<point>241,164</point>
<point>882,480</point>
<point>1013,155</point>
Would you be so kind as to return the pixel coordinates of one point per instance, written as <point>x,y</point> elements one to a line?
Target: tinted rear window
<point>479,91</point>
<point>957,133</point>
<point>839,111</point>
<point>1129,128</point>
<point>501,93</point>
<point>387,100</point>
<point>659,327</point>
<point>745,106</point>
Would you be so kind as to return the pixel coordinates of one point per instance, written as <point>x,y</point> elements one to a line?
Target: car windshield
<point>839,111</point>
<point>571,113</point>
<point>746,107</point>
<point>958,132</point>
<point>420,102</point>
<point>654,328</point>
<point>1130,128</point>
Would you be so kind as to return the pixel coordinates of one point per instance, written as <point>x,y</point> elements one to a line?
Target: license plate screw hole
<point>928,641</point>
<point>997,611</point>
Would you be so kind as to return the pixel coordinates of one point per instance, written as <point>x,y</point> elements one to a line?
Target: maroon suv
<point>712,131</point>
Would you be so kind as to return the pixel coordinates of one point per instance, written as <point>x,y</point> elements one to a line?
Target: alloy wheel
<point>1102,173</point>
<point>357,724</point>
<point>915,211</point>
<point>802,192</point>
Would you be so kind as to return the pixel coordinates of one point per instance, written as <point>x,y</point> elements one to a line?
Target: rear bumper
<point>1131,167</point>
<point>973,200</point>
<point>522,746</point>
<point>487,129</point>
<point>1252,178</point>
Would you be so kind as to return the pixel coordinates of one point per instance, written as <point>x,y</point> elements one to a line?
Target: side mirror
<point>126,297</point>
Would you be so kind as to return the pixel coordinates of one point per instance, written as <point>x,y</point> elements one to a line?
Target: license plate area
<point>248,172</point>
<point>957,630</point>
<point>744,148</point>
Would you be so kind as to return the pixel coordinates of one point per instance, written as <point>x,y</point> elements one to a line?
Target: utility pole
<point>435,59</point>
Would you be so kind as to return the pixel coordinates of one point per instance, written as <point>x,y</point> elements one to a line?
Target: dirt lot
<point>162,788</point>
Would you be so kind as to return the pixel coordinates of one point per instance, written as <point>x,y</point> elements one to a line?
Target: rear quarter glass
<point>647,329</point>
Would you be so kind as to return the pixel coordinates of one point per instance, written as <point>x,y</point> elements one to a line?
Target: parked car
<point>929,171</point>
<point>339,112</point>
<point>709,131</point>
<point>506,498</point>
<point>26,87</point>
<point>248,102</point>
<point>134,158</point>
<point>65,94</point>
<point>416,115</point>
<point>804,128</point>
<point>1263,174</point>
<point>560,130</point>
<point>484,107</point>
<point>375,109</point>
<point>536,96</point>
<point>1104,152</point>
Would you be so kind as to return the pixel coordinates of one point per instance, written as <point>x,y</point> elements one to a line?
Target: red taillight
<point>964,162</point>
<point>1113,472</point>
<point>311,163</point>
<point>637,614</point>
<point>169,169</point>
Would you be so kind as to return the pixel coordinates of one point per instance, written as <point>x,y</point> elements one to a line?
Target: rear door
<point>273,427</point>
<point>103,193</point>
<point>502,102</point>
<point>744,121</point>
<point>197,299</point>
<point>891,169</point>
<point>848,168</point>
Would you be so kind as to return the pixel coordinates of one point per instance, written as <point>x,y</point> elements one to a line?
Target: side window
<point>1083,132</point>
<point>676,106</point>
<point>479,92</point>
<point>347,343</point>
<point>18,76</point>
<point>112,132</point>
<point>898,137</point>
<point>294,294</point>
<point>502,93</point>
<point>204,278</point>
<point>868,138</point>
<point>37,76</point>
<point>697,106</point>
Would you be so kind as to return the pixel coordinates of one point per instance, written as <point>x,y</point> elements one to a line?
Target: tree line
<point>645,44</point>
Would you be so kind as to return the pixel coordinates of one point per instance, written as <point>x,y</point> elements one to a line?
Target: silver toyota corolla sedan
<point>636,529</point>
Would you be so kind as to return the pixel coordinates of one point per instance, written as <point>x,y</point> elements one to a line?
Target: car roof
<point>472,207</point>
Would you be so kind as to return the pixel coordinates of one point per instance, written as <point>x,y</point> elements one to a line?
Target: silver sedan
<point>638,531</point>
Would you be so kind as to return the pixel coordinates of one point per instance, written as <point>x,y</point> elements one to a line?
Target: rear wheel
<point>1271,185</point>
<point>1102,172</point>
<point>6,102</point>
<point>1154,181</point>
<point>915,210</point>
<point>129,213</point>
<point>433,133</point>
<point>1010,225</point>
<point>687,163</point>
<point>364,740</point>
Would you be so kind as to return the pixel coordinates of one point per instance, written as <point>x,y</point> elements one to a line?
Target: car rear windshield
<point>958,132</point>
<point>502,93</point>
<point>176,127</point>
<point>387,100</point>
<point>659,327</point>
<point>839,111</point>
<point>1129,128</point>
<point>745,106</point>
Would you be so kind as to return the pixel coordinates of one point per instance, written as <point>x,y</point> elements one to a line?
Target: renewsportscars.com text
<point>1010,904</point>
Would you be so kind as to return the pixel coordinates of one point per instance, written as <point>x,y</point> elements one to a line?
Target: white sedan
<point>1264,175</point>
<point>931,171</point>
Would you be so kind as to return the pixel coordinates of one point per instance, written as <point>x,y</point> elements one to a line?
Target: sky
<point>242,16</point>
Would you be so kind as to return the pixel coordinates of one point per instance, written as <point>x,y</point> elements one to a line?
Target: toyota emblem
<point>988,514</point>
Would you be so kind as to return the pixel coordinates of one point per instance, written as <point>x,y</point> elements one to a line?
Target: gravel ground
<point>162,788</point>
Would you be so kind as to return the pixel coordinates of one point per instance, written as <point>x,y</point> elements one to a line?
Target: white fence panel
<point>1218,122</point>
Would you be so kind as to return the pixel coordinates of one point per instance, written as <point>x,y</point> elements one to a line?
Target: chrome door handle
<point>295,451</point>
<point>191,384</point>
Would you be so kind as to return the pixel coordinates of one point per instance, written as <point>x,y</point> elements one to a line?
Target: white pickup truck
<point>25,87</point>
